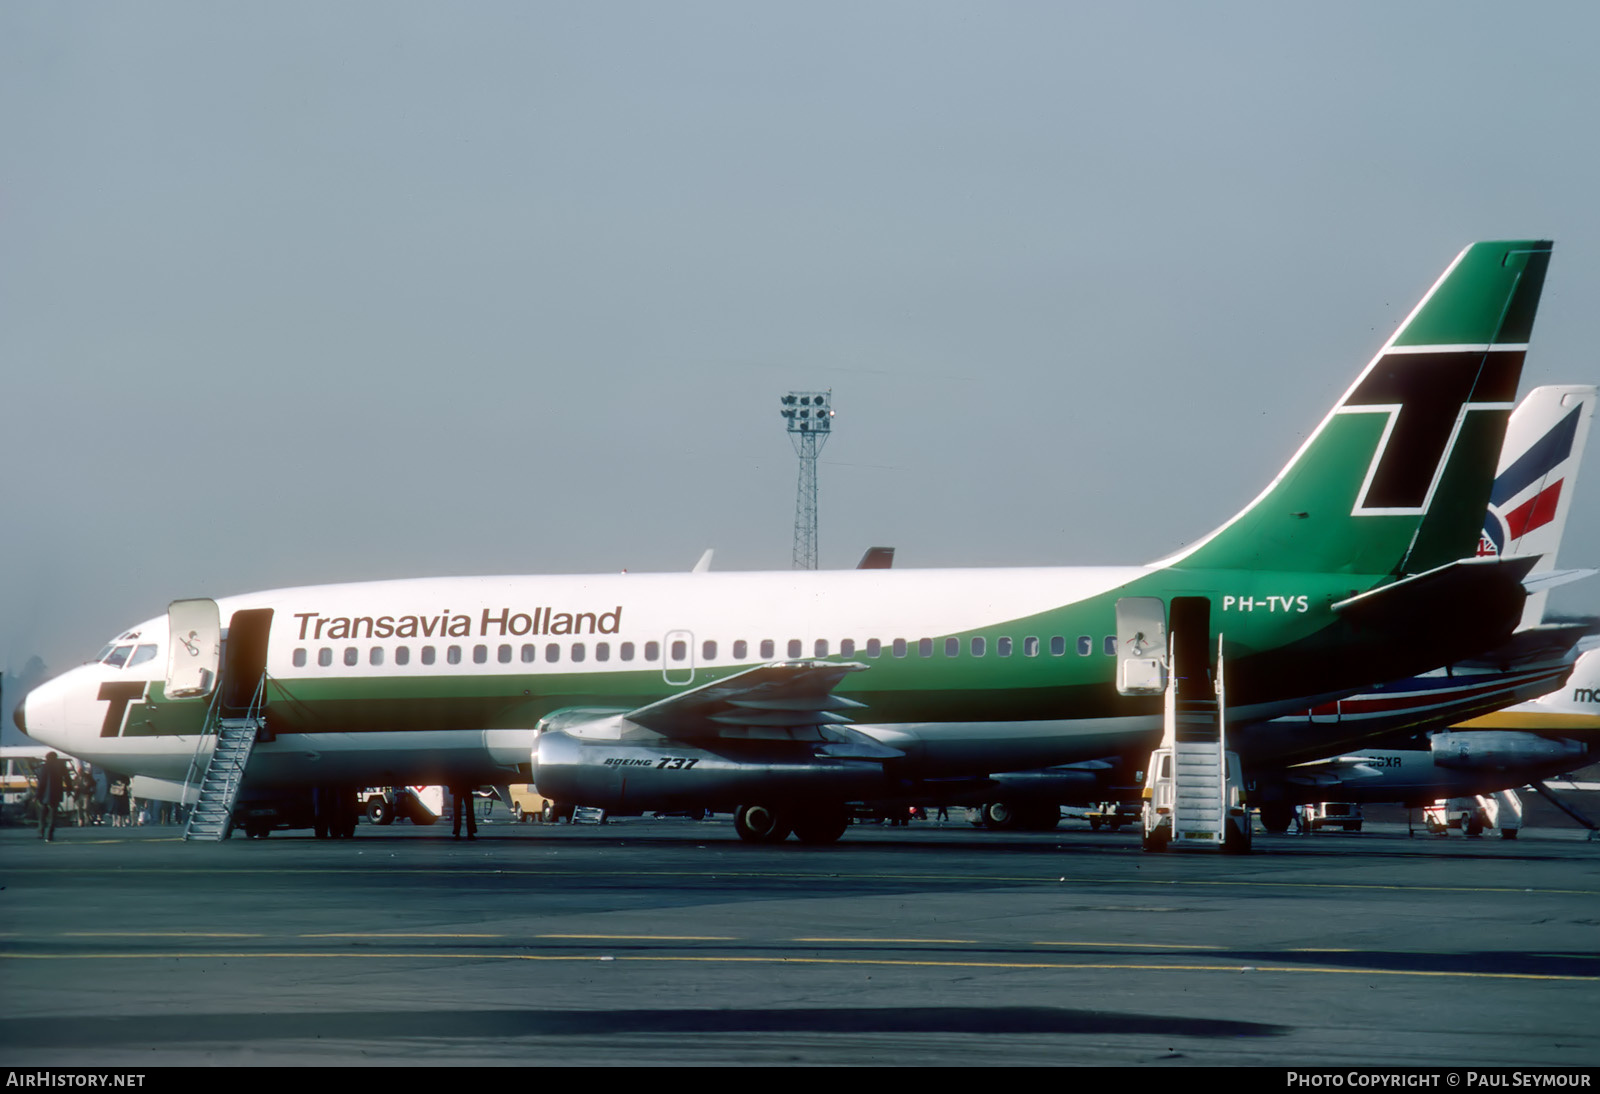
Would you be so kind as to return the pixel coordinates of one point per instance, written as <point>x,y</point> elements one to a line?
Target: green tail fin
<point>1396,478</point>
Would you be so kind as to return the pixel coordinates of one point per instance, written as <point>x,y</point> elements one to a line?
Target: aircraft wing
<point>785,700</point>
<point>1333,771</point>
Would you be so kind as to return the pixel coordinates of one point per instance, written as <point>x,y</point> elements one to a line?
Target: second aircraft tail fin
<point>1537,479</point>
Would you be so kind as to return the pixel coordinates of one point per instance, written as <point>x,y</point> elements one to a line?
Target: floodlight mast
<point>809,415</point>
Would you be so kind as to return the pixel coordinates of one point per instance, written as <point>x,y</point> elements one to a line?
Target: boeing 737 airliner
<point>799,692</point>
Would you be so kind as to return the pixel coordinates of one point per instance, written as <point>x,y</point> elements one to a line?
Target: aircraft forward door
<point>677,658</point>
<point>194,648</point>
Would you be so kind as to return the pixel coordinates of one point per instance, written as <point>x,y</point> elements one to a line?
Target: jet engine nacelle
<point>632,777</point>
<point>1497,749</point>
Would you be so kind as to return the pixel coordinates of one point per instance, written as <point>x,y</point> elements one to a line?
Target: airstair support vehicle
<point>1194,787</point>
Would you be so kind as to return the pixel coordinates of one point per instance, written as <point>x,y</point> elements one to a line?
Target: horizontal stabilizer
<point>1443,585</point>
<point>1550,579</point>
<point>788,694</point>
<point>1453,611</point>
<point>1545,643</point>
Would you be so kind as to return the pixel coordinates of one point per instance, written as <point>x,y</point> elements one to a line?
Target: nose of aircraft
<point>39,713</point>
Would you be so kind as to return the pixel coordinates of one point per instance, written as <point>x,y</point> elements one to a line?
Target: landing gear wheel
<point>1000,816</point>
<point>820,826</point>
<point>517,814</point>
<point>760,824</point>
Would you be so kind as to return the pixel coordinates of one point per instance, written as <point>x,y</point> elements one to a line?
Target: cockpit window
<point>101,656</point>
<point>118,657</point>
<point>141,655</point>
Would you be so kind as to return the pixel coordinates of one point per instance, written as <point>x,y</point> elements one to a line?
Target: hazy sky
<point>294,293</point>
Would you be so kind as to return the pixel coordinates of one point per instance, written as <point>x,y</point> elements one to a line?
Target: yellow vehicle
<point>527,804</point>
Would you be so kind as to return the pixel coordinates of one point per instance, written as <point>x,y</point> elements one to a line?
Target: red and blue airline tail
<point>1537,478</point>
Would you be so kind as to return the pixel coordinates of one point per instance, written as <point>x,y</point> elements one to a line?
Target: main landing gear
<point>815,824</point>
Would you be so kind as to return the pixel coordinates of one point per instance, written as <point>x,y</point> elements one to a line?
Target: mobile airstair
<point>233,741</point>
<point>1194,789</point>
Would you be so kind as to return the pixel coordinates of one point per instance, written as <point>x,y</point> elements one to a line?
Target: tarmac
<point>670,942</point>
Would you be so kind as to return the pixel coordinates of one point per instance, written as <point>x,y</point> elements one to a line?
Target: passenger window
<point>924,647</point>
<point>578,652</point>
<point>1058,645</point>
<point>504,654</point>
<point>795,647</point>
<point>552,652</point>
<point>874,648</point>
<point>1002,646</point>
<point>680,649</point>
<point>530,653</point>
<point>708,650</point>
<point>652,651</point>
<point>324,657</point>
<point>626,651</point>
<point>602,651</point>
<point>899,647</point>
<point>300,658</point>
<point>1111,645</point>
<point>119,656</point>
<point>352,655</point>
<point>821,647</point>
<point>402,655</point>
<point>480,654</point>
<point>1085,645</point>
<point>1030,647</point>
<point>141,655</point>
<point>952,647</point>
<point>847,647</point>
<point>453,655</point>
<point>375,655</point>
<point>980,646</point>
<point>769,649</point>
<point>741,650</point>
<point>427,655</point>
